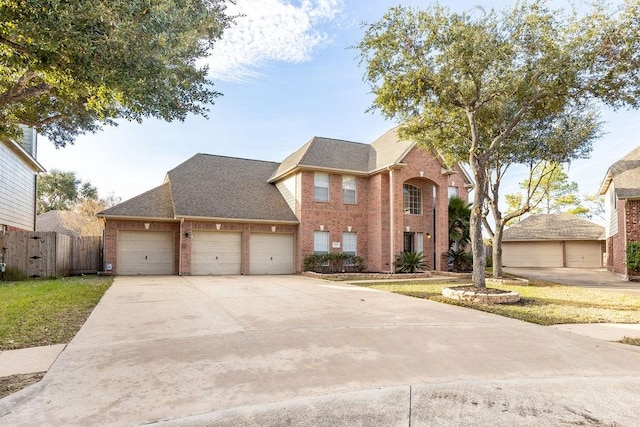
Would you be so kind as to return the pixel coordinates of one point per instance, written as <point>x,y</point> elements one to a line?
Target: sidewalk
<point>40,359</point>
<point>29,360</point>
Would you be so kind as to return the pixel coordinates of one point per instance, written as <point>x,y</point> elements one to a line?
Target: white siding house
<point>18,171</point>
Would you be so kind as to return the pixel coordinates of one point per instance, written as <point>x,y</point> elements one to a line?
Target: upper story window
<point>348,189</point>
<point>320,242</point>
<point>412,199</point>
<point>453,192</point>
<point>321,186</point>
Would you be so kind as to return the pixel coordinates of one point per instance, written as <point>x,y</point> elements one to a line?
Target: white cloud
<point>270,30</point>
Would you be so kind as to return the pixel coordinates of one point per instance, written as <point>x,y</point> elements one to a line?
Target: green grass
<point>45,312</point>
<point>543,303</point>
<point>630,341</point>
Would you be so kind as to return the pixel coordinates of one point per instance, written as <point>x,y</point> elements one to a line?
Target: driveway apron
<point>261,350</point>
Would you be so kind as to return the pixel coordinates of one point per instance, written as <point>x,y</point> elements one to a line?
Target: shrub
<point>334,263</point>
<point>411,262</point>
<point>633,257</point>
<point>460,260</point>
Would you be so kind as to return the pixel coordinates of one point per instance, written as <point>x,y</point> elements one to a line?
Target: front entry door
<point>409,243</point>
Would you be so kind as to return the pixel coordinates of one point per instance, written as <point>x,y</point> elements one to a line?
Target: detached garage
<point>553,240</point>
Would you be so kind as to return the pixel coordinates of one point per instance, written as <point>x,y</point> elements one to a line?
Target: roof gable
<point>210,186</point>
<point>155,203</point>
<point>389,150</point>
<point>625,175</point>
<point>554,227</point>
<point>327,153</point>
<point>347,156</point>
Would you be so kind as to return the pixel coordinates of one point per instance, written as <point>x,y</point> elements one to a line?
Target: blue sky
<point>287,74</point>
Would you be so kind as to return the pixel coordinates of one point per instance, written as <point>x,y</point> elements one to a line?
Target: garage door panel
<point>216,253</point>
<point>145,252</point>
<point>271,254</point>
<point>584,254</point>
<point>532,254</point>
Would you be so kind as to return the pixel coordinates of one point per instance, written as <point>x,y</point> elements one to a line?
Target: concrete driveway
<point>291,350</point>
<point>586,278</point>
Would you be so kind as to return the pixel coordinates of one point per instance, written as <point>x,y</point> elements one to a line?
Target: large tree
<point>541,145</point>
<point>69,66</point>
<point>62,190</point>
<point>550,191</point>
<point>463,83</point>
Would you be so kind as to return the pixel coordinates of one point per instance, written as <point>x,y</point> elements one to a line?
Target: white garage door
<point>584,254</point>
<point>216,253</point>
<point>145,252</point>
<point>271,254</point>
<point>532,254</point>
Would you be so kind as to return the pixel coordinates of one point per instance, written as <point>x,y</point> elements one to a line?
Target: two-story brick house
<point>621,191</point>
<point>223,215</point>
<point>18,174</point>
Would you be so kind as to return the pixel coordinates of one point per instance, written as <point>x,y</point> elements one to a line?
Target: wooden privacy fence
<point>49,254</point>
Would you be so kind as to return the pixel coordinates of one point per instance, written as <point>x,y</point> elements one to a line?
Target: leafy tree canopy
<point>58,190</point>
<point>70,66</point>
<point>551,192</point>
<point>465,83</point>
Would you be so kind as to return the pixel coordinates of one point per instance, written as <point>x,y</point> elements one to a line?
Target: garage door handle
<point>145,257</point>
<point>216,258</point>
<point>271,258</point>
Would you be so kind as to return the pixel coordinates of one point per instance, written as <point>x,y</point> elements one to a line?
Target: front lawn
<point>543,303</point>
<point>44,312</point>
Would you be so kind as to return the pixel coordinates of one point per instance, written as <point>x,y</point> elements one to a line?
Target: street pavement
<point>292,350</point>
<point>594,278</point>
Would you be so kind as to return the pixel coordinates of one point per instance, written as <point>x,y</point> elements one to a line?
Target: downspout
<point>391,220</point>
<point>180,249</point>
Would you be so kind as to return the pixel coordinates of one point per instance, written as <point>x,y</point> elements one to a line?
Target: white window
<point>419,242</point>
<point>348,189</point>
<point>321,186</point>
<point>453,192</point>
<point>412,199</point>
<point>320,242</point>
<point>350,243</point>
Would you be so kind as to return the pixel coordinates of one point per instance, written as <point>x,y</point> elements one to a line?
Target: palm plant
<point>411,262</point>
<point>459,234</point>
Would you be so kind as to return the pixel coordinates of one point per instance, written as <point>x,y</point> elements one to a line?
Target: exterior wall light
<point>146,225</point>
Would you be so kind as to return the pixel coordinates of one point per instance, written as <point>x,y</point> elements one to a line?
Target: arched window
<point>412,199</point>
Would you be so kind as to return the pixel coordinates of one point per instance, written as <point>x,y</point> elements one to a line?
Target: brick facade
<point>379,224</point>
<point>628,231</point>
<point>377,217</point>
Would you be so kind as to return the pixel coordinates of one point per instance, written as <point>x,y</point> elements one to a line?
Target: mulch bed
<point>13,383</point>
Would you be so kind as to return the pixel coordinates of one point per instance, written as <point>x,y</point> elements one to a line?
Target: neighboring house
<point>553,240</point>
<point>18,171</point>
<point>224,215</point>
<point>70,223</point>
<point>621,191</point>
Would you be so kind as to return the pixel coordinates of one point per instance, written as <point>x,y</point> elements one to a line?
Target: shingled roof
<point>625,174</point>
<point>211,186</point>
<point>330,154</point>
<point>155,203</point>
<point>346,156</point>
<point>554,227</point>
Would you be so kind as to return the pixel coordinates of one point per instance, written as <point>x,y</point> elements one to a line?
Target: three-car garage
<point>212,252</point>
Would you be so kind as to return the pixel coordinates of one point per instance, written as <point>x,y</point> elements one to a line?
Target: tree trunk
<point>477,244</point>
<point>497,250</point>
